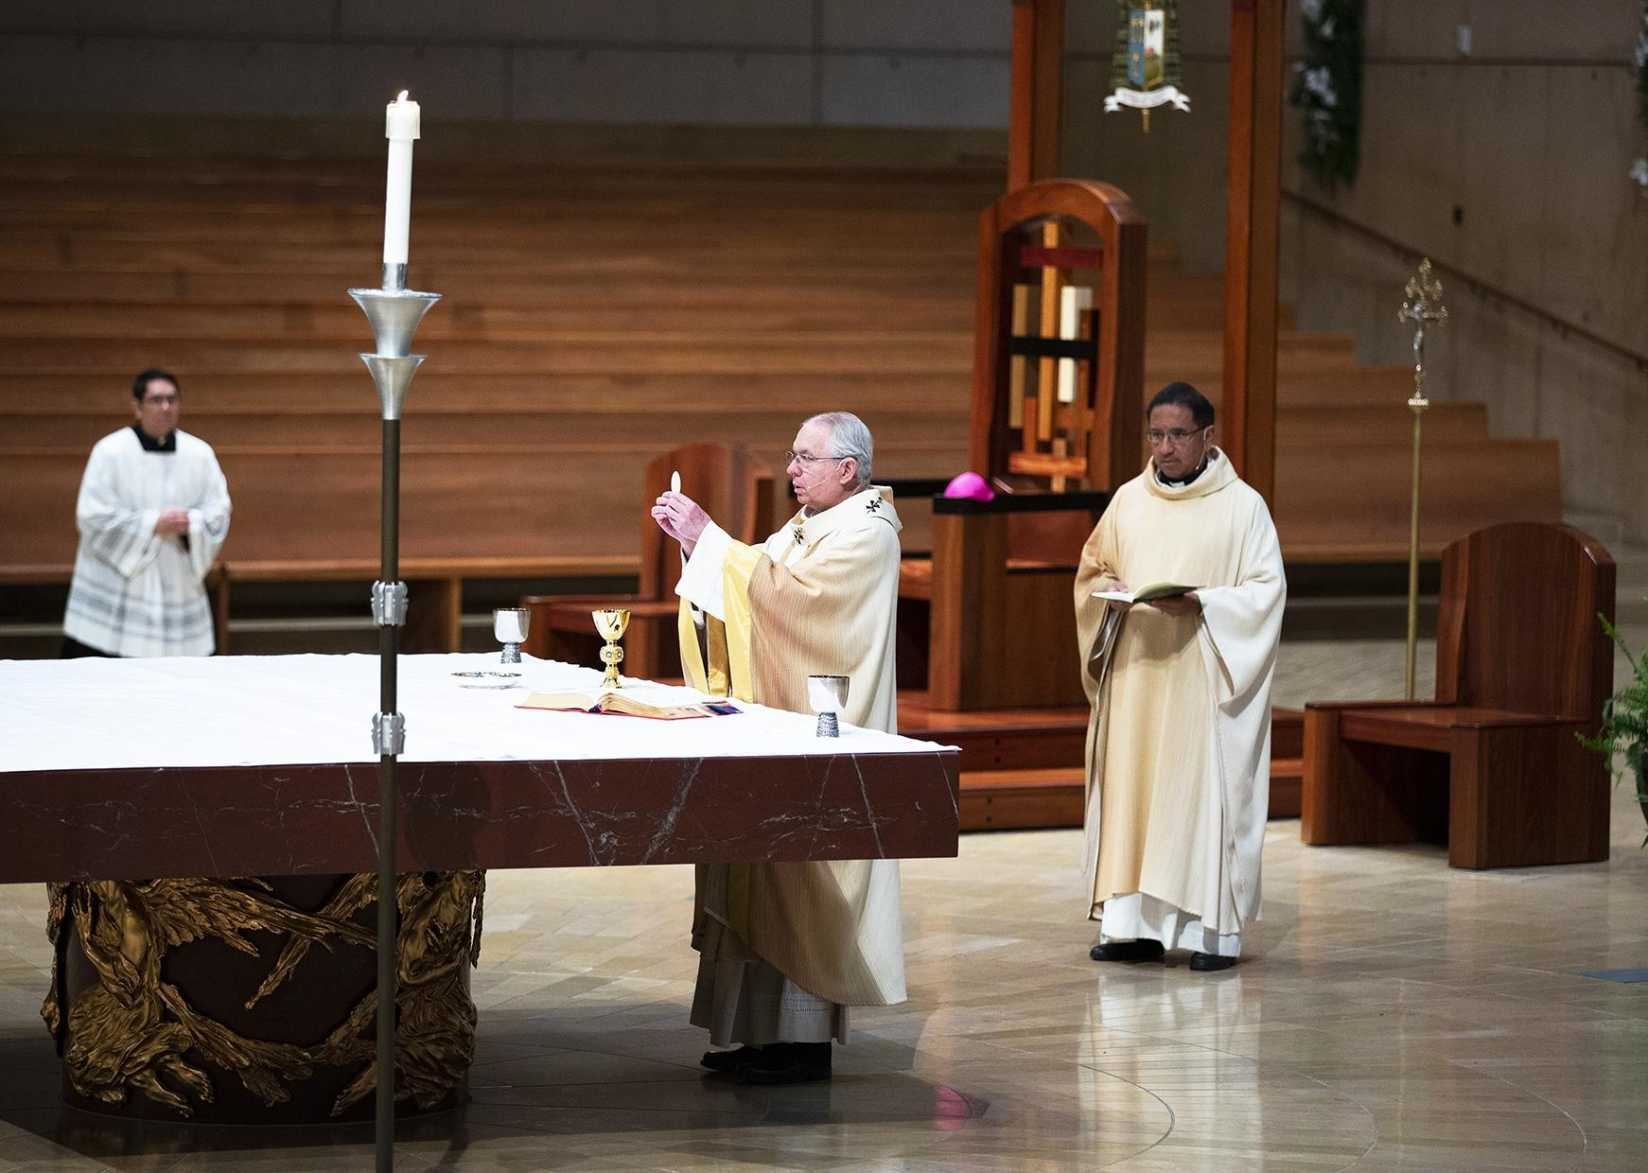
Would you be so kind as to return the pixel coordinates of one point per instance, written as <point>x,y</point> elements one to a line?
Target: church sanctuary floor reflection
<point>1394,1013</point>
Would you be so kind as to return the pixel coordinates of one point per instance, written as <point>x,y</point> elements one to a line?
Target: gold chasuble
<point>1178,746</point>
<point>819,597</point>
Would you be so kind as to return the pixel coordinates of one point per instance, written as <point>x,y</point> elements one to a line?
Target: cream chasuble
<point>820,596</point>
<point>136,592</point>
<point>1178,746</point>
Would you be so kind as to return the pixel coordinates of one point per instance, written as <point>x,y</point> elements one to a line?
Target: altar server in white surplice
<point>786,948</point>
<point>1178,746</point>
<point>153,513</point>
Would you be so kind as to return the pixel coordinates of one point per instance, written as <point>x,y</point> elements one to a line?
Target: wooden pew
<point>435,586</point>
<point>1493,765</point>
<point>216,583</point>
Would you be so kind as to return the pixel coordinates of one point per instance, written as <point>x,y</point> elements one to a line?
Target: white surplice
<point>1178,746</point>
<point>136,592</point>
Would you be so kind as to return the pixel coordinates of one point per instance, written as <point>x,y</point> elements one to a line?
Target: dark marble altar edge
<point>302,819</point>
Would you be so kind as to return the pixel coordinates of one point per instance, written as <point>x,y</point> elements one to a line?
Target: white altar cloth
<point>95,714</point>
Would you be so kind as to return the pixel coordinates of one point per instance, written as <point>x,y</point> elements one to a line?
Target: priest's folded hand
<point>172,521</point>
<point>1178,605</point>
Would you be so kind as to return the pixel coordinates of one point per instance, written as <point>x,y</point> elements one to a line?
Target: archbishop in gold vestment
<point>1178,746</point>
<point>786,947</point>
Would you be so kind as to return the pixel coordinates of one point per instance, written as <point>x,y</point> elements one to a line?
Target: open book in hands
<point>1146,594</point>
<point>623,705</point>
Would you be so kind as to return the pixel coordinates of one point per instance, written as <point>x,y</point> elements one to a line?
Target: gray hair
<point>848,437</point>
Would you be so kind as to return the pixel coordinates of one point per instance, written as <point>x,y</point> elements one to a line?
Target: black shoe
<point>784,1063</point>
<point>730,1062</point>
<point>1142,950</point>
<point>1210,962</point>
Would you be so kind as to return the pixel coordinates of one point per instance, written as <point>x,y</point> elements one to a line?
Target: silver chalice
<point>509,627</point>
<point>827,695</point>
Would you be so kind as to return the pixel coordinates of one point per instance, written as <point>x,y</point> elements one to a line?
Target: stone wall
<point>1508,164</point>
<point>701,62</point>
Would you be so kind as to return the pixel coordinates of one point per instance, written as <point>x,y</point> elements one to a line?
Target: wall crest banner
<point>1147,69</point>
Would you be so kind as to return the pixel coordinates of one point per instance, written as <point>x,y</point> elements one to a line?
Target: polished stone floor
<point>1393,1014</point>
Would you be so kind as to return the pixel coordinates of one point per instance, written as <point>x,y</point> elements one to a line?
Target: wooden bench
<point>1493,763</point>
<point>1022,768</point>
<point>435,586</point>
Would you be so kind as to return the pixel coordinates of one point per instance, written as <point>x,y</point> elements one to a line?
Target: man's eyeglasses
<point>806,461</point>
<point>1177,436</point>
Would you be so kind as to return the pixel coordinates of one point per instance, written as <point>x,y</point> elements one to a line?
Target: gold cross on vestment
<point>800,535</point>
<point>1421,305</point>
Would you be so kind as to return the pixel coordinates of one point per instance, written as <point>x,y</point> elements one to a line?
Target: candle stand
<point>395,313</point>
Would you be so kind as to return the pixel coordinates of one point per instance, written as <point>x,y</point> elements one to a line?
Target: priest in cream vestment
<point>786,948</point>
<point>1178,746</point>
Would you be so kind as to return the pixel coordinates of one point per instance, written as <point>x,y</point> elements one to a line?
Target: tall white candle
<point>401,129</point>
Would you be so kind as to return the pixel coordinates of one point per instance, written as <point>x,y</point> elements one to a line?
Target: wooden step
<point>1021,768</point>
<point>1200,354</point>
<point>355,423</point>
<point>441,392</point>
<point>348,413</point>
<point>341,322</point>
<point>595,314</point>
<point>1000,800</point>
<point>609,352</point>
<point>565,260</point>
<point>1390,422</point>
<point>98,184</point>
<point>1005,800</point>
<point>1353,500</point>
<point>1334,503</point>
<point>1286,780</point>
<point>437,391</point>
<point>617,351</point>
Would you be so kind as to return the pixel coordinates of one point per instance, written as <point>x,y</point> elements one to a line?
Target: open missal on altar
<point>1147,594</point>
<point>623,705</point>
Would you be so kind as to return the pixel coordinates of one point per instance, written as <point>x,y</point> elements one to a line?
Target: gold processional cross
<point>1421,305</point>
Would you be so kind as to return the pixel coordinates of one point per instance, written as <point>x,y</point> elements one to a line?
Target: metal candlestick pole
<point>395,313</point>
<point>1422,305</point>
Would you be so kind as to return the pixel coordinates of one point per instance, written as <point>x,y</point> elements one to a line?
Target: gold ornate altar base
<point>254,1000</point>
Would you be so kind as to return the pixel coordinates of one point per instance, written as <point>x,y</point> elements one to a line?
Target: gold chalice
<point>611,623</point>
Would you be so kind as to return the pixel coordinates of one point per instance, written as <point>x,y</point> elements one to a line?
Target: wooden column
<point>1038,90</point>
<point>1252,233</point>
